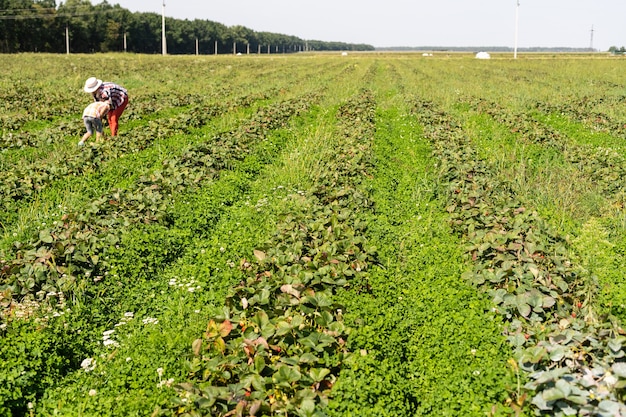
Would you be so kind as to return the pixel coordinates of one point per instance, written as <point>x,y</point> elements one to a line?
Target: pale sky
<point>547,23</point>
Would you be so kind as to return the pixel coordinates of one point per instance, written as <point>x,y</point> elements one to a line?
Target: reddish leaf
<point>225,328</point>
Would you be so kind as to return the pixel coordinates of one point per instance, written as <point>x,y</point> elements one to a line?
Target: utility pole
<point>516,28</point>
<point>591,41</point>
<point>164,41</point>
<point>67,39</point>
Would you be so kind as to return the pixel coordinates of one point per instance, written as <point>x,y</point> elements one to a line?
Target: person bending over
<point>92,117</point>
<point>114,94</point>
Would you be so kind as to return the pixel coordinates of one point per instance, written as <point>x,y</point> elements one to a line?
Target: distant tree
<point>264,39</point>
<point>616,50</point>
<point>25,25</point>
<point>39,28</point>
<point>79,18</point>
<point>179,36</point>
<point>242,36</point>
<point>117,22</point>
<point>145,33</point>
<point>205,33</point>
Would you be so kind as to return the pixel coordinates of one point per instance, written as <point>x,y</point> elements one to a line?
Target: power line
<point>25,10</point>
<point>516,28</point>
<point>40,15</point>
<point>38,8</point>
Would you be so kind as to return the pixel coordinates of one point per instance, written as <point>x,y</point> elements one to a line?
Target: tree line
<point>41,26</point>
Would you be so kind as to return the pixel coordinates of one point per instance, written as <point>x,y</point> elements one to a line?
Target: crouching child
<point>92,117</point>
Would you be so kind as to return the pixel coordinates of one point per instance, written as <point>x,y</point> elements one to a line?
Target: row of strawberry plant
<point>574,361</point>
<point>586,110</point>
<point>15,118</point>
<point>280,341</point>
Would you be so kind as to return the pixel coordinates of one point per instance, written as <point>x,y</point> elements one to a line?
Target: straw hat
<point>92,84</point>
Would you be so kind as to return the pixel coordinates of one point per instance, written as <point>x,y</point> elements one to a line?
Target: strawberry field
<point>315,235</point>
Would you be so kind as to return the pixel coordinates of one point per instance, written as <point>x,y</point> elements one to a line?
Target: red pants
<point>114,116</point>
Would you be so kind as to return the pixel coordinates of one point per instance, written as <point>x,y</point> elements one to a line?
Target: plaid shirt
<point>97,109</point>
<point>112,93</point>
